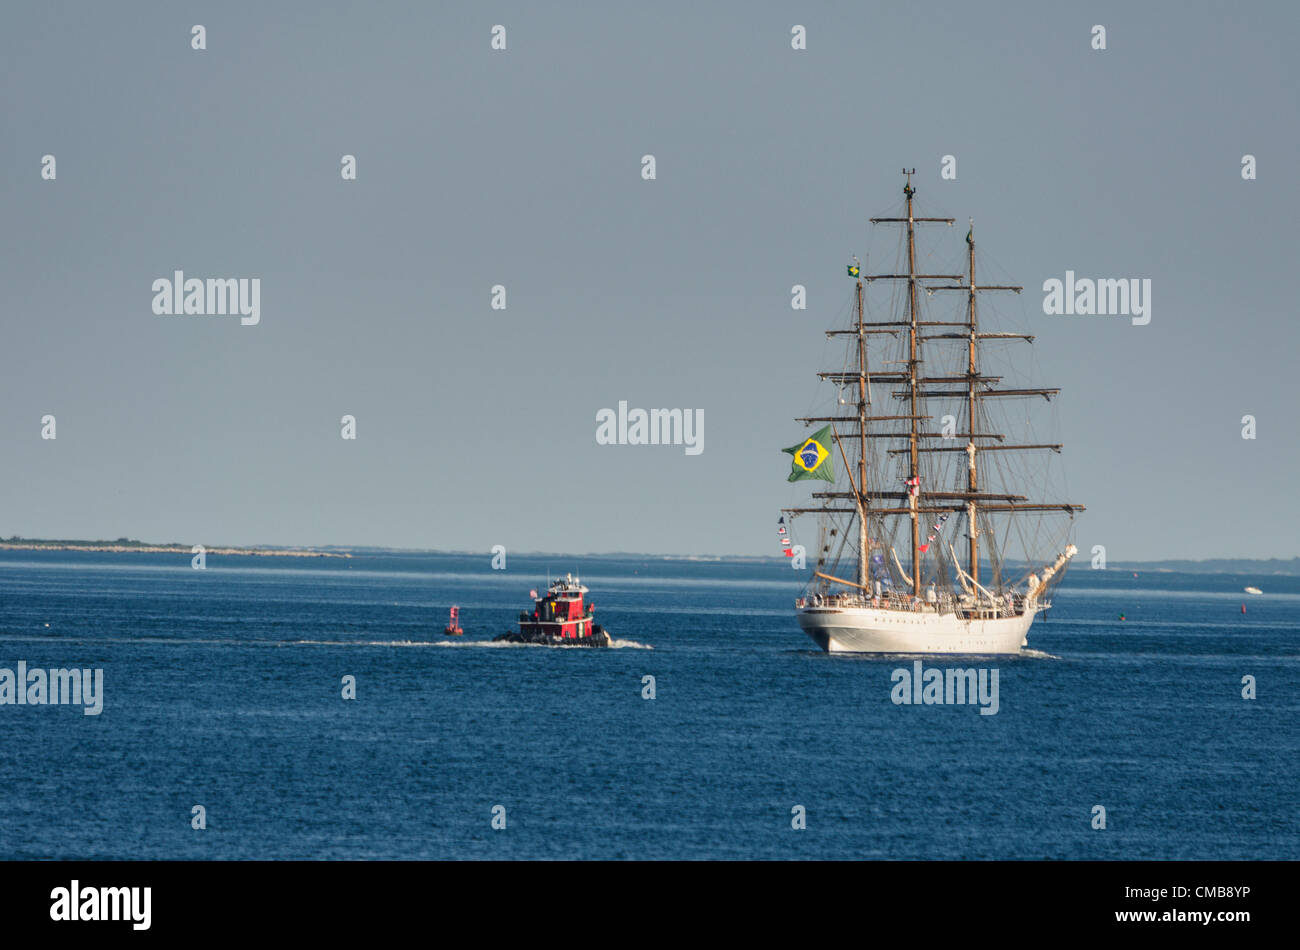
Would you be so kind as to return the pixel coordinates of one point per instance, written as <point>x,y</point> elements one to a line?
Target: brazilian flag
<point>855,270</point>
<point>812,457</point>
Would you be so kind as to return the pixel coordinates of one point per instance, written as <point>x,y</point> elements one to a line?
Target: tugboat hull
<point>598,638</point>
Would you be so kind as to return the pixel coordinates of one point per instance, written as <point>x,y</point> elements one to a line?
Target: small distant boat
<point>1253,590</point>
<point>453,624</point>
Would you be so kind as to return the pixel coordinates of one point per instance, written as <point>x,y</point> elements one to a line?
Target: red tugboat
<point>453,624</point>
<point>560,619</point>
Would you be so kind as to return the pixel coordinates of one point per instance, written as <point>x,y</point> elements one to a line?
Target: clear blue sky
<point>476,427</point>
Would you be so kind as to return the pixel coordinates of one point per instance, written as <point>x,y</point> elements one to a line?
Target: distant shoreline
<point>1245,566</point>
<point>126,546</point>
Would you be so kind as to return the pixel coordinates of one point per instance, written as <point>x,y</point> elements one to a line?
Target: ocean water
<point>222,688</point>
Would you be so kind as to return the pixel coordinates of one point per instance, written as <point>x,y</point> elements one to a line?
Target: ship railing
<point>906,603</point>
<point>942,603</point>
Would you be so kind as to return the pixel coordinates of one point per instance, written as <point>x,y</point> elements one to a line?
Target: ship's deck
<point>1012,605</point>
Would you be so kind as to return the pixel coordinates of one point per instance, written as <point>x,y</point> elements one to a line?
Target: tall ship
<point>928,537</point>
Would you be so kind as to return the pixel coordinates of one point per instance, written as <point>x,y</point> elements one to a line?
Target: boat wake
<point>454,644</point>
<point>1038,654</point>
<point>262,642</point>
<point>615,644</point>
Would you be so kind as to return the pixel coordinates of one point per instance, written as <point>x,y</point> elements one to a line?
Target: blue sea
<point>223,688</point>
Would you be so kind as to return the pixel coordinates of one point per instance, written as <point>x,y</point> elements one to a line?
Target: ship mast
<point>914,467</point>
<point>973,337</point>
<point>913,362</point>
<point>972,475</point>
<point>863,542</point>
<point>975,389</point>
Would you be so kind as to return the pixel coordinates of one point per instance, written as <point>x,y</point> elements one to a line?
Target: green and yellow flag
<point>855,270</point>
<point>812,457</point>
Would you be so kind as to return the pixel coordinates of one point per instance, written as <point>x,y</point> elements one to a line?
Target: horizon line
<point>18,541</point>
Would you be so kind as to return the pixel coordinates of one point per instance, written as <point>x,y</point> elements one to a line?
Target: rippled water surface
<point>223,688</point>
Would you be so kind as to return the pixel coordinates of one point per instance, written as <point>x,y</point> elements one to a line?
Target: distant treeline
<point>148,547</point>
<point>1210,566</point>
<point>78,543</point>
<point>1227,565</point>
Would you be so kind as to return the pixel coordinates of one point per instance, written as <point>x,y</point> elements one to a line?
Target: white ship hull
<point>870,630</point>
